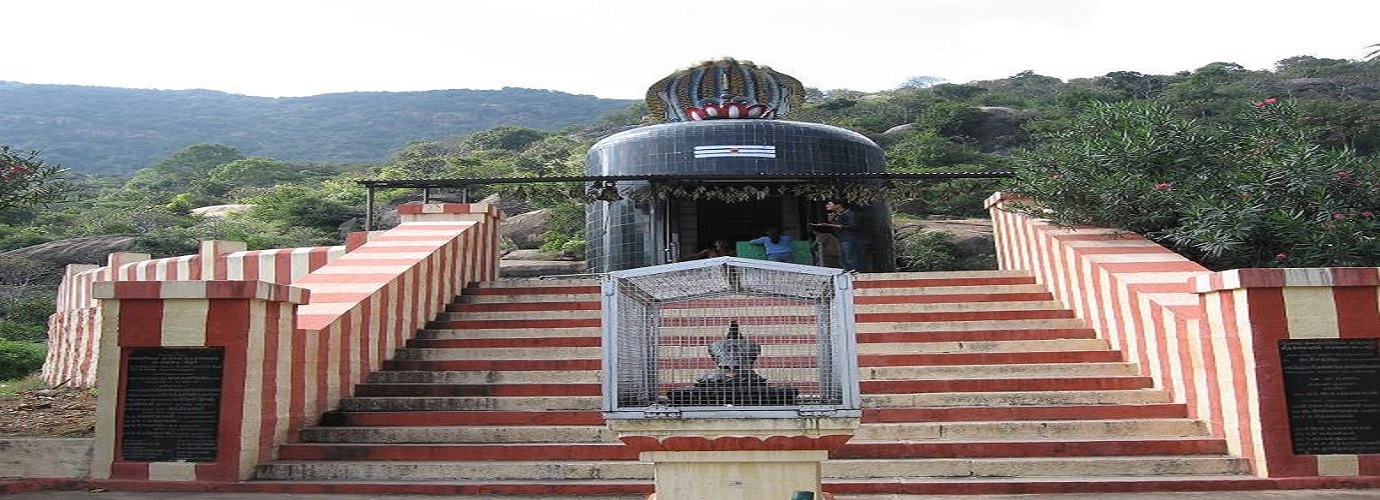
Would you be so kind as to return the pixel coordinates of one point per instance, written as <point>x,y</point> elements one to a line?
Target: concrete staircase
<point>972,382</point>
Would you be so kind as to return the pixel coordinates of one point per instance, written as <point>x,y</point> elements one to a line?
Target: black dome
<point>734,147</point>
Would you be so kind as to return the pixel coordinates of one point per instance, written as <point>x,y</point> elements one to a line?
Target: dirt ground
<point>61,412</point>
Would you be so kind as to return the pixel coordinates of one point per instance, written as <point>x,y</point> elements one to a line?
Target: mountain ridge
<point>114,130</point>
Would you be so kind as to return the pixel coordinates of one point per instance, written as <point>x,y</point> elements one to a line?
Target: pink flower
<point>1281,256</point>
<point>1266,102</point>
<point>1163,186</point>
<point>1338,216</point>
<point>1245,195</point>
<point>1367,213</point>
<point>1329,225</point>
<point>1345,174</point>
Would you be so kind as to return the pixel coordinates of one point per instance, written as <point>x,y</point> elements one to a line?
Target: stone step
<point>557,387</point>
<point>998,448</point>
<point>499,285</point>
<point>505,333</point>
<point>1105,486</point>
<point>401,470</point>
<point>524,315</point>
<point>764,315</point>
<point>1004,384</point>
<point>475,403</point>
<point>492,364</point>
<point>1015,399</point>
<point>988,358</point>
<point>1165,428</point>
<point>522,418</point>
<point>484,377</point>
<point>977,335</point>
<point>464,390</point>
<point>1018,371</point>
<point>882,348</point>
<point>697,349</point>
<point>459,341</point>
<point>991,325</point>
<point>940,294</point>
<point>520,297</point>
<point>956,307</point>
<point>1076,411</point>
<point>884,470</point>
<point>942,278</point>
<point>1029,467</point>
<point>495,303</point>
<point>462,434</point>
<point>1031,429</point>
<point>526,353</point>
<point>449,452</point>
<point>1041,370</point>
<point>514,321</point>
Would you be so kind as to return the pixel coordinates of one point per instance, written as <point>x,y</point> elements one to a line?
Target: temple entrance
<point>699,222</point>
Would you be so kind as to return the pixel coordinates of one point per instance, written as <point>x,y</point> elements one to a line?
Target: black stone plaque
<point>1332,388</point>
<point>172,404</point>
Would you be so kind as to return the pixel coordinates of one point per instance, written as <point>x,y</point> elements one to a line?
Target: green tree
<point>176,173</point>
<point>26,180</point>
<point>1254,191</point>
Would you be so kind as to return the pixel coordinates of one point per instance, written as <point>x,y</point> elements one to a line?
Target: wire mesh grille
<point>727,333</point>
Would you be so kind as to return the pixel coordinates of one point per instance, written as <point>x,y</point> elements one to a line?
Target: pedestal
<point>736,459</point>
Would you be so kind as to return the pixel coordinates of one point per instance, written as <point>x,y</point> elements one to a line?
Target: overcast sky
<point>616,48</point>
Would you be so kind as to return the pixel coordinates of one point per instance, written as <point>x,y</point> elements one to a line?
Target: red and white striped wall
<point>1209,338</point>
<point>291,351</point>
<point>74,329</point>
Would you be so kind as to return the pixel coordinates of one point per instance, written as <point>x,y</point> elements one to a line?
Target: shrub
<point>19,359</point>
<point>1254,191</point>
<point>937,251</point>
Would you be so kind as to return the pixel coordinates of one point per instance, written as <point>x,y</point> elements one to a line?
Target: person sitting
<point>778,246</point>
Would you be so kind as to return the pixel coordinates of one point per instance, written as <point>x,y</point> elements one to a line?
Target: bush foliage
<point>1254,190</point>
<point>19,359</point>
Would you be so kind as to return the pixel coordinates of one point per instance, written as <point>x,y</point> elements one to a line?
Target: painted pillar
<point>186,376</point>
<point>1255,317</point>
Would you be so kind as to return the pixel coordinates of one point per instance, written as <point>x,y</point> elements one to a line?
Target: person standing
<point>847,226</point>
<point>777,245</point>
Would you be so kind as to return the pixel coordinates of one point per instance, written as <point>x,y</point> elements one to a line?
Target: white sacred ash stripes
<point>754,151</point>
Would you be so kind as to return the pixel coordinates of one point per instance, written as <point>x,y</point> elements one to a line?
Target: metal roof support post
<point>369,208</point>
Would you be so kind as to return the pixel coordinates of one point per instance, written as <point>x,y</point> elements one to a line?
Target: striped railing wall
<point>291,352</point>
<point>1208,338</point>
<point>74,329</point>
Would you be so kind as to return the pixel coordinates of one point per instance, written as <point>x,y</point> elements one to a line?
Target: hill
<point>118,130</point>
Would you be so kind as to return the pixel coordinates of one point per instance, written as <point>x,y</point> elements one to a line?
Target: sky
<point>617,48</point>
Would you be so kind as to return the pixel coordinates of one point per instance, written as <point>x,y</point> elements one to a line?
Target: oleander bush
<point>1257,189</point>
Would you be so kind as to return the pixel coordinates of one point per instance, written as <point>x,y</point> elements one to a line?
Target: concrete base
<point>736,475</point>
<point>736,458</point>
<point>46,457</point>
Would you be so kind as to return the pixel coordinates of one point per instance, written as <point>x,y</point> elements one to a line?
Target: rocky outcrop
<point>220,211</point>
<point>527,230</point>
<point>85,250</point>
<point>972,237</point>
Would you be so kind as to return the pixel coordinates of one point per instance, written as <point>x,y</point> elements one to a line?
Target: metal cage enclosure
<point>729,337</point>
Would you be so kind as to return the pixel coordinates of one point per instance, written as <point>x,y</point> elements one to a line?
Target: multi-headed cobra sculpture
<point>724,88</point>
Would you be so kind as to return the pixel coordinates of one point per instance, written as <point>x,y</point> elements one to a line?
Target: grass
<point>30,383</point>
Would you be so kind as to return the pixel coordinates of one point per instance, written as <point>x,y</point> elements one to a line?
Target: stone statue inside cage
<point>734,380</point>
